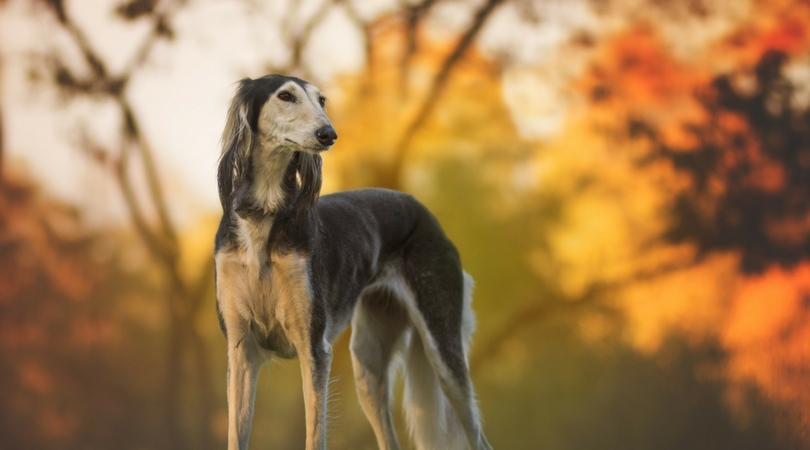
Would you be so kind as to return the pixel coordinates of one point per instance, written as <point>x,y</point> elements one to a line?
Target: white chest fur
<point>263,292</point>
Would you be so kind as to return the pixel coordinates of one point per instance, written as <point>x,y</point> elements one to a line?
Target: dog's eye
<point>322,101</point>
<point>286,96</point>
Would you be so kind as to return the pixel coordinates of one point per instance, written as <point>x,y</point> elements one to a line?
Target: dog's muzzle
<point>326,135</point>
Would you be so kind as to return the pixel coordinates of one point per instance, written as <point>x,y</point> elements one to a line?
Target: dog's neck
<point>265,187</point>
<point>270,200</point>
<point>269,170</point>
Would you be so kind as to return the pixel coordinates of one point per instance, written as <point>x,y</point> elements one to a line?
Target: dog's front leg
<point>315,366</point>
<point>245,360</point>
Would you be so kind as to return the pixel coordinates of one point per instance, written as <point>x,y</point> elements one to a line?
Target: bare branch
<point>160,29</point>
<point>115,86</point>
<point>2,145</point>
<point>155,189</point>
<point>361,24</point>
<point>436,88</point>
<point>414,15</point>
<point>102,81</point>
<point>538,312</point>
<point>198,289</point>
<point>90,56</point>
<point>302,38</point>
<point>183,302</point>
<point>531,315</point>
<point>135,9</point>
<point>138,218</point>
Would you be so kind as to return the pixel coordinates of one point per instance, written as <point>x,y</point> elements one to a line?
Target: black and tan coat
<point>294,269</point>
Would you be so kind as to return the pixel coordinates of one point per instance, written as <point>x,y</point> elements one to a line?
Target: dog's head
<point>277,117</point>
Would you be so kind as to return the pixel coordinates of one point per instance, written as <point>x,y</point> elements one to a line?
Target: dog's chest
<point>272,298</point>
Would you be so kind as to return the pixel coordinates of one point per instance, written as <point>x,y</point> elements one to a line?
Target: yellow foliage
<point>374,109</point>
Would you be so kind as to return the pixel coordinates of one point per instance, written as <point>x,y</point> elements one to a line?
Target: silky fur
<point>293,270</point>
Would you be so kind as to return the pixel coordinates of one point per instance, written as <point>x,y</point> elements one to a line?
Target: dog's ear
<point>237,143</point>
<point>310,175</point>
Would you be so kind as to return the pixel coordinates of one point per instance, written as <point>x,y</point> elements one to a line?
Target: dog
<point>293,269</point>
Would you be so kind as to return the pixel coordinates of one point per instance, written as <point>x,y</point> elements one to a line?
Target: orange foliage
<point>35,378</point>
<point>58,424</point>
<point>768,335</point>
<point>30,235</point>
<point>635,76</point>
<point>690,301</point>
<point>764,322</point>
<point>611,230</point>
<point>781,25</point>
<point>50,278</point>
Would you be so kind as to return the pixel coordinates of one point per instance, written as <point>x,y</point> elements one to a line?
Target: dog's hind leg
<point>245,360</point>
<point>441,311</point>
<point>378,326</point>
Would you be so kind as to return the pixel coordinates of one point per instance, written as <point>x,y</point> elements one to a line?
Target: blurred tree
<point>64,297</point>
<point>732,149</point>
<point>183,297</point>
<point>750,169</point>
<point>750,194</point>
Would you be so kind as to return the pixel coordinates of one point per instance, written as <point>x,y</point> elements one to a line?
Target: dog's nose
<point>326,135</point>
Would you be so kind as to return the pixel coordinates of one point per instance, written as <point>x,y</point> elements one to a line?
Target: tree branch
<point>436,88</point>
<point>414,15</point>
<point>103,82</point>
<point>138,219</point>
<point>182,301</point>
<point>2,145</point>
<point>160,28</point>
<point>133,133</point>
<point>204,280</point>
<point>537,312</point>
<point>530,315</point>
<point>301,38</point>
<point>364,27</point>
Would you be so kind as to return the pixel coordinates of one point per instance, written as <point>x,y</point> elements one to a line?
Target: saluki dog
<point>293,269</point>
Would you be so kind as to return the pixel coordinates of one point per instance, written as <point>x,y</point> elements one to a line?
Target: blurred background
<point>628,181</point>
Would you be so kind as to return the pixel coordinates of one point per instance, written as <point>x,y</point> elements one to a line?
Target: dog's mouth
<point>317,148</point>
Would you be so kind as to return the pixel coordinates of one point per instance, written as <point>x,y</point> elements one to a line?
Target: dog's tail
<point>432,421</point>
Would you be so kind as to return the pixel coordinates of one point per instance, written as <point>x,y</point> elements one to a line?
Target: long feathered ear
<point>237,142</point>
<point>309,173</point>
